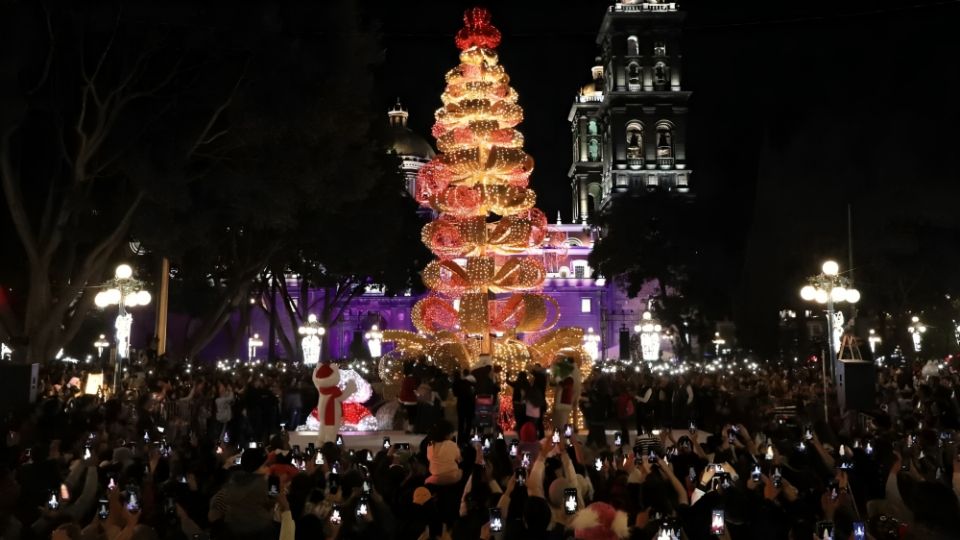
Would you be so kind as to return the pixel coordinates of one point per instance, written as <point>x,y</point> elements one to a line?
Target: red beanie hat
<point>600,521</point>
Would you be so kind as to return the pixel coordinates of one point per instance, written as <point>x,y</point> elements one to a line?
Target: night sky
<point>798,109</point>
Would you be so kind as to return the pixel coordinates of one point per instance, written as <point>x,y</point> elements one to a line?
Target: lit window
<point>659,49</point>
<point>586,305</point>
<point>633,48</point>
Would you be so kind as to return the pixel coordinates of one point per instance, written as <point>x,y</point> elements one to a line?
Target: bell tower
<point>629,123</point>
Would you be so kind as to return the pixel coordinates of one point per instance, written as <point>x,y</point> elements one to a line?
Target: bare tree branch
<point>11,189</point>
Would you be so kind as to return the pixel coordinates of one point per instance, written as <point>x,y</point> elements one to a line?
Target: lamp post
<point>591,344</point>
<point>312,333</point>
<point>101,343</point>
<point>830,288</point>
<point>873,339</point>
<point>917,329</point>
<point>124,292</point>
<point>718,342</point>
<point>649,330</point>
<point>374,339</point>
<point>253,343</point>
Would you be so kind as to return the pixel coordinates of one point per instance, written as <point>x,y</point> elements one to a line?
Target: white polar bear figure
<point>329,408</point>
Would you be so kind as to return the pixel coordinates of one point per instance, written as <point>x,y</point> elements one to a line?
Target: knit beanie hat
<point>600,521</point>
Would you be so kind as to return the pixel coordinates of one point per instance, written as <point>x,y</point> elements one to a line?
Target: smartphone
<point>363,506</point>
<point>161,429</point>
<point>717,468</point>
<point>339,440</point>
<point>570,504</point>
<point>103,508</point>
<point>521,476</point>
<point>311,448</point>
<point>693,428</point>
<point>716,522</point>
<point>911,440</point>
<point>755,473</point>
<point>514,445</point>
<point>777,479</point>
<point>568,430</point>
<point>475,438</point>
<point>319,459</point>
<point>226,437</point>
<point>808,433</point>
<point>295,450</point>
<point>133,500</point>
<point>366,487</point>
<point>692,474</point>
<point>386,443</point>
<point>496,522</point>
<point>769,455</point>
<point>335,468</point>
<point>652,457</point>
<point>273,485</point>
<point>111,482</point>
<point>64,493</point>
<point>335,516</point>
<point>525,460</point>
<point>170,506</point>
<point>251,445</point>
<point>598,464</point>
<point>556,437</point>
<point>868,449</point>
<point>333,482</point>
<point>834,493</point>
<point>53,501</point>
<point>618,439</point>
<point>146,437</point>
<point>237,459</point>
<point>182,479</point>
<point>487,444</point>
<point>859,530</point>
<point>905,466</point>
<point>87,454</point>
<point>825,530</point>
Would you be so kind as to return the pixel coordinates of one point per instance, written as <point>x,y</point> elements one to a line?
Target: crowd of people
<point>205,453</point>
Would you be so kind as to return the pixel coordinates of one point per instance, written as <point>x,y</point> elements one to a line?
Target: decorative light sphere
<point>647,316</point>
<point>821,296</point>
<point>838,294</point>
<point>808,293</point>
<point>853,296</point>
<point>112,296</point>
<point>101,300</point>
<point>915,319</point>
<point>143,297</point>
<point>831,268</point>
<point>311,318</point>
<point>123,272</point>
<point>321,331</point>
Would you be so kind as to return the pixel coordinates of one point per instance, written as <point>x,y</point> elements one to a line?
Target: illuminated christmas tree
<point>485,286</point>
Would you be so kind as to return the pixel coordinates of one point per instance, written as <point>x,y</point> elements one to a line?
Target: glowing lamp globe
<point>143,297</point>
<point>123,272</point>
<point>808,293</point>
<point>853,296</point>
<point>101,300</point>
<point>838,294</point>
<point>831,268</point>
<point>112,296</point>
<point>821,296</point>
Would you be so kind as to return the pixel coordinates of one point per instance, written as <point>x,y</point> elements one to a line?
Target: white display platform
<point>373,440</point>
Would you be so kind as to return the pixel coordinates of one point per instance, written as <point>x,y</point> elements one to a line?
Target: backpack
<point>625,408</point>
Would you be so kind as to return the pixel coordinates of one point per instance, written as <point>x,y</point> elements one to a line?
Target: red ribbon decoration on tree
<point>477,31</point>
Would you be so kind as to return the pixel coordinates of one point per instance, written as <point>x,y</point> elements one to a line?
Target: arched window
<point>634,77</point>
<point>635,144</point>
<point>633,47</point>
<point>593,141</point>
<point>659,48</point>
<point>664,144</point>
<point>660,74</point>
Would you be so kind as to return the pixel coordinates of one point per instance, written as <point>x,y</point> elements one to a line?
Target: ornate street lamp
<point>374,339</point>
<point>101,343</point>
<point>649,330</point>
<point>253,343</point>
<point>873,339</point>
<point>124,292</point>
<point>830,288</point>
<point>591,344</point>
<point>718,342</point>
<point>917,329</point>
<point>312,333</point>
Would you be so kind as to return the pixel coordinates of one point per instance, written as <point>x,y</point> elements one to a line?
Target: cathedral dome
<point>403,140</point>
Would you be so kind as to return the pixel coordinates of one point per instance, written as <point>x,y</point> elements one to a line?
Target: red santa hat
<point>600,521</point>
<point>323,371</point>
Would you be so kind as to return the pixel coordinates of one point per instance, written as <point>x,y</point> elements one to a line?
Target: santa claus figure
<point>566,390</point>
<point>329,409</point>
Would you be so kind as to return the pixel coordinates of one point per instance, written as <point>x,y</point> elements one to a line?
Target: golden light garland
<point>486,289</point>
